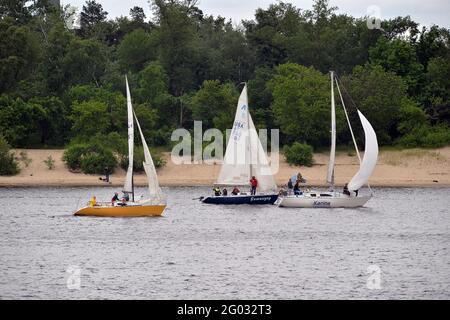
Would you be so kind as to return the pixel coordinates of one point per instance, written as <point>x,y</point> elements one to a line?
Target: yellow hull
<point>131,211</point>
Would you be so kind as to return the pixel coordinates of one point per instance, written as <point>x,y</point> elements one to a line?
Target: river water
<point>397,247</point>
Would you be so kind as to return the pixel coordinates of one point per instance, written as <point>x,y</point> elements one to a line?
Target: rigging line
<point>349,125</point>
<point>346,92</point>
<point>348,121</point>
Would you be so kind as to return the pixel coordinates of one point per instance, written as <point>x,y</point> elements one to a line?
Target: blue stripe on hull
<point>259,199</point>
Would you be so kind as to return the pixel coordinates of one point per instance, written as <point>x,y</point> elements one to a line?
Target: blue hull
<point>258,199</point>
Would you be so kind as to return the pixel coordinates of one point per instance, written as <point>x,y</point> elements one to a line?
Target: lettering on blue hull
<point>259,199</point>
<point>322,204</point>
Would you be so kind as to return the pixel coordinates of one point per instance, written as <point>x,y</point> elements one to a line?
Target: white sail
<point>236,169</point>
<point>156,195</point>
<point>259,163</point>
<point>370,156</point>
<point>330,175</point>
<point>128,187</point>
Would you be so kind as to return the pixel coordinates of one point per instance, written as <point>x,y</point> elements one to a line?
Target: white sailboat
<point>152,206</point>
<point>245,158</point>
<point>334,199</point>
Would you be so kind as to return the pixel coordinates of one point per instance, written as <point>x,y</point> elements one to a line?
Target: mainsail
<point>245,156</point>
<point>330,175</point>
<point>370,156</point>
<point>128,187</point>
<point>156,194</point>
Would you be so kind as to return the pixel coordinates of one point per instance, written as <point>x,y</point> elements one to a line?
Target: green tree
<point>400,57</point>
<point>301,104</point>
<point>136,49</point>
<point>381,96</point>
<point>436,93</point>
<point>177,42</point>
<point>91,17</point>
<point>270,32</point>
<point>19,53</point>
<point>15,9</point>
<point>23,123</point>
<point>116,114</point>
<point>153,83</point>
<point>90,118</point>
<point>215,104</point>
<point>85,61</point>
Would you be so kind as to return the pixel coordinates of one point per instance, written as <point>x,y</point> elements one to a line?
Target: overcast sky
<point>426,12</point>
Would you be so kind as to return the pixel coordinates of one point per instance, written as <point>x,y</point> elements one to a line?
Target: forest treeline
<point>61,85</point>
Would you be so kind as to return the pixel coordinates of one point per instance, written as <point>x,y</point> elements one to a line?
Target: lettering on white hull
<point>322,204</point>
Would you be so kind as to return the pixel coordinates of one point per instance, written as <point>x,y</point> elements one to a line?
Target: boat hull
<point>308,201</point>
<point>127,211</point>
<point>236,200</point>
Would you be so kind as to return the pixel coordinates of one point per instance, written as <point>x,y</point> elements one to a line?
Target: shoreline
<point>410,168</point>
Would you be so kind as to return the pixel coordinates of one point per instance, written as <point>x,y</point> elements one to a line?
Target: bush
<point>426,136</point>
<point>300,154</point>
<point>8,164</point>
<point>91,158</point>
<point>72,155</point>
<point>50,163</point>
<point>95,162</point>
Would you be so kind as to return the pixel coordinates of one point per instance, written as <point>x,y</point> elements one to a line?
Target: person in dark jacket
<point>297,190</point>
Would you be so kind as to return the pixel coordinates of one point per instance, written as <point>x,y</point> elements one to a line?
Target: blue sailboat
<point>245,158</point>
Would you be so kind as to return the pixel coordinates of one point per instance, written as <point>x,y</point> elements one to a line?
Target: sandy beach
<point>406,168</point>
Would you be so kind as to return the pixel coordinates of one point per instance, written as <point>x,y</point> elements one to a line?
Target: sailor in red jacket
<point>254,185</point>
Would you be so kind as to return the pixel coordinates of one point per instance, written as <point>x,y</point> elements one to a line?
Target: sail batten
<point>128,186</point>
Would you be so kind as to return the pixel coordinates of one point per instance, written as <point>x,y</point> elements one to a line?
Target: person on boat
<point>290,186</point>
<point>217,192</point>
<point>123,203</point>
<point>126,196</point>
<point>283,191</point>
<point>297,190</point>
<point>235,191</point>
<point>115,198</point>
<point>254,185</point>
<point>300,178</point>
<point>345,191</point>
<point>225,192</point>
<point>93,201</point>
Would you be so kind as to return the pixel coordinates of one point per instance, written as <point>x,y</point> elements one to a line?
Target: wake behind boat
<point>154,205</point>
<point>245,160</point>
<point>350,197</point>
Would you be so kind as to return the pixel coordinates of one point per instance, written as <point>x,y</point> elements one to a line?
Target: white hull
<point>322,200</point>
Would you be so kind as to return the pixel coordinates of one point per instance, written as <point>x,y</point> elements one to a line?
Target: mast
<point>330,175</point>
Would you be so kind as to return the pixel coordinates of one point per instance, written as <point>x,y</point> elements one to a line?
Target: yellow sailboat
<point>154,205</point>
